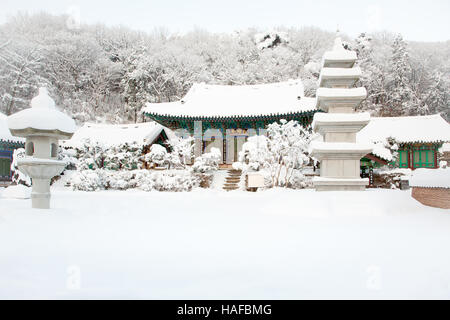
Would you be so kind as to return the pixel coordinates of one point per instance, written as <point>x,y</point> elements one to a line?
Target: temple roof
<point>222,101</point>
<point>113,135</point>
<point>417,129</point>
<point>424,129</point>
<point>5,134</point>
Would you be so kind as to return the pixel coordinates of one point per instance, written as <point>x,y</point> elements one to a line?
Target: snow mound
<point>17,192</point>
<point>431,178</point>
<point>42,116</point>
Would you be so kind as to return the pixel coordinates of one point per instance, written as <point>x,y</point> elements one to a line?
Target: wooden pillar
<point>230,148</point>
<point>198,139</point>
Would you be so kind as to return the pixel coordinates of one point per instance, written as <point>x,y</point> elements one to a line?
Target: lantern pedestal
<point>41,172</point>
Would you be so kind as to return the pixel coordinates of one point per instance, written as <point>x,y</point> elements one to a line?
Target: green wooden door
<point>403,158</point>
<point>5,165</point>
<point>424,158</point>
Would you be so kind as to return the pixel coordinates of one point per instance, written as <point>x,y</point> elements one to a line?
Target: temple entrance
<point>234,142</point>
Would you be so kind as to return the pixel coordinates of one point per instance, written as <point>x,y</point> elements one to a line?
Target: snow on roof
<point>360,93</point>
<point>430,178</point>
<point>425,129</point>
<point>42,116</point>
<point>381,151</point>
<point>5,134</point>
<point>445,147</point>
<point>204,100</point>
<point>339,54</point>
<point>337,147</point>
<point>112,135</point>
<point>341,117</point>
<point>341,72</point>
<point>352,74</point>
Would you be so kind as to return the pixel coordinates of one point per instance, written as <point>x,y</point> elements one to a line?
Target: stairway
<point>232,180</point>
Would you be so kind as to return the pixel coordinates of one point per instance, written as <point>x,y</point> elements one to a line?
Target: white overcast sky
<point>424,20</point>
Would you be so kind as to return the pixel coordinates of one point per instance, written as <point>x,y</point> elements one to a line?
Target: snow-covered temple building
<point>415,141</point>
<point>108,135</point>
<point>8,143</point>
<point>224,116</point>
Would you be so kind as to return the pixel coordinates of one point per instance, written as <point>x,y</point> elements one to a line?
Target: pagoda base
<point>335,184</point>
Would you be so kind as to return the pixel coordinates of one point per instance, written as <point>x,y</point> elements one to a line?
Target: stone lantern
<point>42,125</point>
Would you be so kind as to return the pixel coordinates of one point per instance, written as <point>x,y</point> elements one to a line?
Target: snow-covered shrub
<point>101,179</point>
<point>88,180</point>
<point>91,155</point>
<point>181,150</point>
<point>281,154</point>
<point>69,156</point>
<point>18,177</point>
<point>157,157</point>
<point>207,162</point>
<point>255,154</point>
<point>388,178</point>
<point>94,155</point>
<point>126,156</point>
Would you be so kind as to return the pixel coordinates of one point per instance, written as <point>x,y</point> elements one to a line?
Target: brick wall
<point>433,197</point>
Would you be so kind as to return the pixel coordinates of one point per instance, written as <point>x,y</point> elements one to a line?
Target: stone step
<point>230,189</point>
<point>230,185</point>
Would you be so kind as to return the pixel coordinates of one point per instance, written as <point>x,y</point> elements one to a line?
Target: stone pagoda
<point>338,153</point>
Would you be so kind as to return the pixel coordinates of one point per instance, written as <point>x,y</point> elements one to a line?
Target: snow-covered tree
<point>18,177</point>
<point>180,151</point>
<point>20,70</point>
<point>207,162</point>
<point>402,99</point>
<point>281,153</point>
<point>157,157</point>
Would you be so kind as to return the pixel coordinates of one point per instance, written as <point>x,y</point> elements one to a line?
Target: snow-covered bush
<point>94,155</point>
<point>157,157</point>
<point>281,154</point>
<point>181,150</point>
<point>207,162</point>
<point>101,179</point>
<point>69,156</point>
<point>88,180</point>
<point>18,177</point>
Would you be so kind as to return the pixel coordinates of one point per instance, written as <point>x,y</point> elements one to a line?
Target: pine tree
<point>372,77</point>
<point>402,100</point>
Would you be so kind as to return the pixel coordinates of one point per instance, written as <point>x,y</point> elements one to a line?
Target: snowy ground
<point>278,244</point>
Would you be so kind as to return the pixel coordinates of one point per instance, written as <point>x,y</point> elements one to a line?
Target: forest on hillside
<point>106,74</point>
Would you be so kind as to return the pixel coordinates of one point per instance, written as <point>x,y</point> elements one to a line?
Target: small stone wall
<point>432,197</point>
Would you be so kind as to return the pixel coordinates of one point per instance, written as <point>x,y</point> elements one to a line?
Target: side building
<point>405,142</point>
<point>108,135</point>
<point>8,143</point>
<point>225,116</point>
